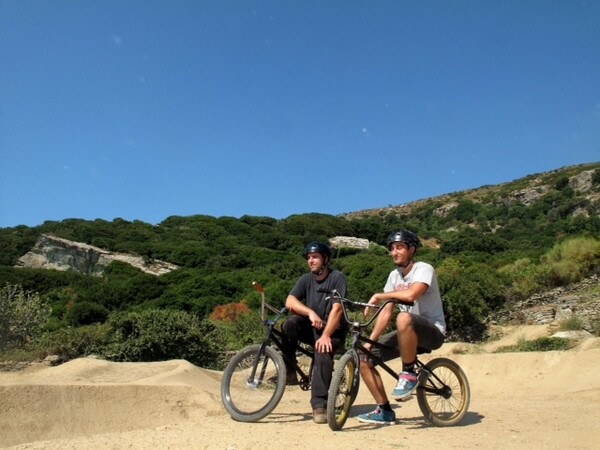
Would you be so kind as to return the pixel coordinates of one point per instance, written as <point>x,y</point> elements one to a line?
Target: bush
<point>159,335</point>
<point>235,334</point>
<point>71,343</point>
<point>595,325</point>
<point>572,323</point>
<point>542,344</point>
<point>572,259</point>
<point>524,278</point>
<point>469,294</point>
<point>22,314</point>
<point>86,313</point>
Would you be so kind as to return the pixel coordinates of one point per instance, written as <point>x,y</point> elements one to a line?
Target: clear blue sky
<point>144,109</point>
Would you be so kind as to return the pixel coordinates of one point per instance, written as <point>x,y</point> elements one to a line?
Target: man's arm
<point>381,323</point>
<point>296,306</point>
<point>323,344</point>
<point>409,295</point>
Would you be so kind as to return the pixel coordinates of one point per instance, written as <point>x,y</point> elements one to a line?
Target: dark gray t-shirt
<point>306,290</point>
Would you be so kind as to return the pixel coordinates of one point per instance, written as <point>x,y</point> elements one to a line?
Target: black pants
<point>299,329</point>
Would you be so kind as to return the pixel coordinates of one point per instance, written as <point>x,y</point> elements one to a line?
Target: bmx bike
<point>443,393</point>
<point>254,380</point>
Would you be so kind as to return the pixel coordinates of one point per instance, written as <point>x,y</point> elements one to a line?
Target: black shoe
<point>320,415</point>
<point>290,380</point>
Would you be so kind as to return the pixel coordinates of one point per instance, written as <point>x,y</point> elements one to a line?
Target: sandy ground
<point>519,400</point>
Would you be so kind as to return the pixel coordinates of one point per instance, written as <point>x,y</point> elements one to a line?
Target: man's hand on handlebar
<point>374,300</point>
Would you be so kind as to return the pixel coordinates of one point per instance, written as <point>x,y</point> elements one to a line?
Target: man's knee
<point>323,359</point>
<point>404,322</point>
<point>292,325</point>
<point>366,367</point>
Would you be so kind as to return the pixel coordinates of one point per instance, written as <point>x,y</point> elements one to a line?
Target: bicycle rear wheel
<point>342,391</point>
<point>253,383</point>
<point>444,396</point>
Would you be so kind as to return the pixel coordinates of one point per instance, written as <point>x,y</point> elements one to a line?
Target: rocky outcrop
<point>555,305</point>
<point>51,252</point>
<point>349,242</point>
<point>583,181</point>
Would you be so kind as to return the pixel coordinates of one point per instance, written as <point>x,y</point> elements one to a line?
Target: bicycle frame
<point>274,336</point>
<point>358,341</point>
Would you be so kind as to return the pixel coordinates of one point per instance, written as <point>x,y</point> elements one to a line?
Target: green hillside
<point>491,246</point>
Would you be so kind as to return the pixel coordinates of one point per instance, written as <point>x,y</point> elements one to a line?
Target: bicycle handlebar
<point>345,302</point>
<point>334,293</point>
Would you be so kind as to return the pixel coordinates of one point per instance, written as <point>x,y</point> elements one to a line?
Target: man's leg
<point>323,372</point>
<point>407,339</point>
<point>370,374</point>
<point>413,330</point>
<point>383,413</point>
<point>295,328</point>
<point>374,382</point>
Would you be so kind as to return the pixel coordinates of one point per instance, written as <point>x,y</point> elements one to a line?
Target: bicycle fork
<point>253,381</point>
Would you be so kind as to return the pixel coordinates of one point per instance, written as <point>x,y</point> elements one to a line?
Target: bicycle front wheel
<point>342,391</point>
<point>253,383</point>
<point>445,395</point>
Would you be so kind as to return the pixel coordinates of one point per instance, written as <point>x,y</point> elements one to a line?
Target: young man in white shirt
<point>415,283</point>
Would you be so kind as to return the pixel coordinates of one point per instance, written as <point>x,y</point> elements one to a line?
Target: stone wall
<point>579,299</point>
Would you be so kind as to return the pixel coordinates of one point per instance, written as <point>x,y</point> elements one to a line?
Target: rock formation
<point>51,252</point>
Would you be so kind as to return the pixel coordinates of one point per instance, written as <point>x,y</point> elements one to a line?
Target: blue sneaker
<point>407,383</point>
<point>379,417</point>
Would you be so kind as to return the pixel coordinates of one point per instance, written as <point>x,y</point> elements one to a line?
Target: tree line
<point>488,252</point>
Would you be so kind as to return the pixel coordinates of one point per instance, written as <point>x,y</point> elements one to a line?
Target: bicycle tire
<point>251,400</point>
<point>446,404</point>
<point>342,391</point>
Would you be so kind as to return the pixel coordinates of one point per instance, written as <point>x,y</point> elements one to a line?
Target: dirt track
<point>521,400</point>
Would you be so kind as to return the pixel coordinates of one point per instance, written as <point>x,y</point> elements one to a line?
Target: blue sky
<point>146,109</point>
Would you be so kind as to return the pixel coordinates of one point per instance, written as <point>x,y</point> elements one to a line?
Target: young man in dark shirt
<point>317,321</point>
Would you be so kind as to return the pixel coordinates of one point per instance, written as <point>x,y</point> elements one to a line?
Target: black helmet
<point>406,236</point>
<point>318,247</point>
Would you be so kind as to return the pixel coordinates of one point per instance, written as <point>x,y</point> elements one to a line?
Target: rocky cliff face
<point>546,308</point>
<point>580,180</point>
<point>51,252</point>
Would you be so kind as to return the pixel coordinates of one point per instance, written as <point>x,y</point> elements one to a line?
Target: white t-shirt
<point>429,305</point>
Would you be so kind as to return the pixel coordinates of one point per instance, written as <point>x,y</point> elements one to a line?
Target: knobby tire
<point>342,391</point>
<point>444,404</point>
<point>249,399</point>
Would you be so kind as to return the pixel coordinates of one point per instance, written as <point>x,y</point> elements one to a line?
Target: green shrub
<point>71,343</point>
<point>572,323</point>
<point>22,314</point>
<point>86,313</point>
<point>572,259</point>
<point>524,278</point>
<point>246,329</point>
<point>159,335</point>
<point>595,324</point>
<point>469,293</point>
<point>542,344</point>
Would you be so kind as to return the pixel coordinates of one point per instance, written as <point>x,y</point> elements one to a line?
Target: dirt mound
<point>519,400</point>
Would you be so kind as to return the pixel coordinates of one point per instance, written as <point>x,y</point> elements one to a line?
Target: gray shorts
<point>429,336</point>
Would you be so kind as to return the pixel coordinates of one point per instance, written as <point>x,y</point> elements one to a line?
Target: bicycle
<point>254,380</point>
<point>443,393</point>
